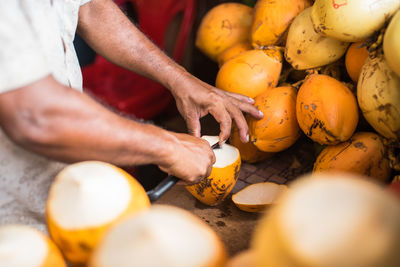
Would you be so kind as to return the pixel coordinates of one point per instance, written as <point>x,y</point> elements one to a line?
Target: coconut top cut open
<point>339,220</point>
<point>88,194</point>
<point>160,236</point>
<point>259,194</point>
<point>22,246</point>
<point>225,155</point>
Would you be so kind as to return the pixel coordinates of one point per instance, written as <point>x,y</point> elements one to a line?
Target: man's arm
<point>106,29</point>
<point>59,122</point>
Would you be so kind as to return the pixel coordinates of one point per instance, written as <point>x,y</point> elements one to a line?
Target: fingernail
<point>260,113</point>
<point>251,100</point>
<point>247,138</point>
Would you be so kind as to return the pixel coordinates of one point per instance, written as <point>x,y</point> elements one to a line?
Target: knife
<point>168,182</point>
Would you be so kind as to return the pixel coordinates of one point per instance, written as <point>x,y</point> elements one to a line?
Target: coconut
<point>257,197</point>
<point>272,19</point>
<point>391,44</point>
<point>85,200</point>
<point>251,73</point>
<point>355,59</point>
<point>364,153</point>
<point>330,220</point>
<point>351,21</point>
<point>307,49</point>
<point>222,27</point>
<point>378,93</point>
<point>326,110</point>
<point>248,151</point>
<point>161,236</point>
<point>225,172</point>
<point>278,130</point>
<point>243,259</point>
<point>22,245</point>
<point>232,52</point>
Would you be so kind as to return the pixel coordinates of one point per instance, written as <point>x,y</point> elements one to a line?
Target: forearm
<point>69,126</point>
<point>108,31</point>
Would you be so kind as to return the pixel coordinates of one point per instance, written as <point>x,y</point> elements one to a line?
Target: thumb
<point>193,126</point>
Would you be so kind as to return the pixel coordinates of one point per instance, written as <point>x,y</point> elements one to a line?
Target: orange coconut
<point>272,19</point>
<point>22,245</point>
<point>85,200</point>
<point>222,27</point>
<point>232,52</point>
<point>355,59</point>
<point>279,129</point>
<point>225,172</point>
<point>326,110</point>
<point>364,153</point>
<point>248,151</point>
<point>251,73</point>
<point>330,220</point>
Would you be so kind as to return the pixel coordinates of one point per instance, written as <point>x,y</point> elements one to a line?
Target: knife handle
<point>162,187</point>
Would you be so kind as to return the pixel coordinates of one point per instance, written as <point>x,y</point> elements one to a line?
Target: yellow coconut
<point>326,110</point>
<point>355,59</point>
<point>232,52</point>
<point>22,245</point>
<point>222,27</point>
<point>278,130</point>
<point>248,151</point>
<point>85,200</point>
<point>272,19</point>
<point>251,73</point>
<point>243,259</point>
<point>225,172</point>
<point>378,93</point>
<point>161,236</point>
<point>364,153</point>
<point>331,220</point>
<point>307,49</point>
<point>257,197</point>
<point>391,44</point>
<point>351,20</point>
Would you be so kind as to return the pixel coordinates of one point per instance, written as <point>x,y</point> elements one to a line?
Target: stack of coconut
<point>320,68</point>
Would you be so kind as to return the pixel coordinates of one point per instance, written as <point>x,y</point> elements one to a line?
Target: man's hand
<point>195,99</point>
<point>191,158</point>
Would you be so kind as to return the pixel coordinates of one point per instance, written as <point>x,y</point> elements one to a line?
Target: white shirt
<point>35,41</point>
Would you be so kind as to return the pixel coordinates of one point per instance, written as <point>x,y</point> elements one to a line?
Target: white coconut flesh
<point>341,222</point>
<point>161,236</point>
<point>225,155</point>
<point>22,246</point>
<point>88,194</point>
<point>259,194</point>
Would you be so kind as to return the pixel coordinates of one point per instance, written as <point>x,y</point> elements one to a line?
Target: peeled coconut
<point>225,172</point>
<point>378,93</point>
<point>248,151</point>
<point>232,52</point>
<point>243,259</point>
<point>306,49</point>
<point>22,245</point>
<point>278,130</point>
<point>330,220</point>
<point>251,73</point>
<point>222,27</point>
<point>355,59</point>
<point>351,20</point>
<point>272,19</point>
<point>364,153</point>
<point>161,236</point>
<point>326,110</point>
<point>257,197</point>
<point>391,44</point>
<point>85,200</point>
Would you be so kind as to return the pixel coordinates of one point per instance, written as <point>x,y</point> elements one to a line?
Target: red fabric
<point>129,92</point>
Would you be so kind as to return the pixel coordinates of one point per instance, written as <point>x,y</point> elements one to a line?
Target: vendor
<point>46,121</point>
